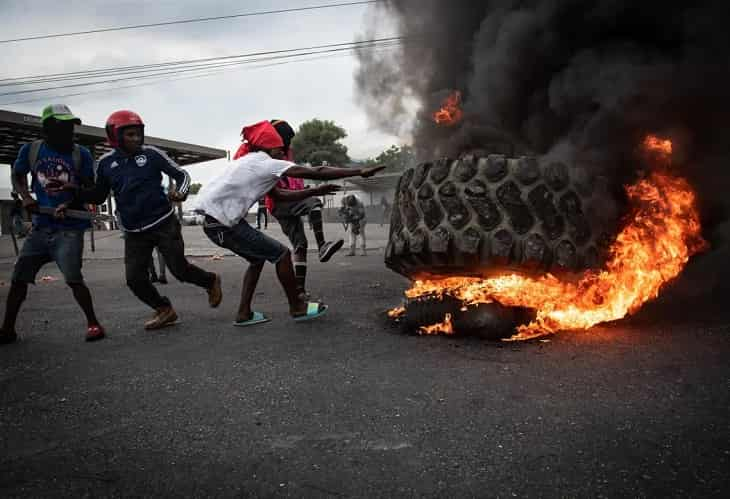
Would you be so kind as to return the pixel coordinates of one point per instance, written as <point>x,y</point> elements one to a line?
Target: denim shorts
<point>44,245</point>
<point>244,241</point>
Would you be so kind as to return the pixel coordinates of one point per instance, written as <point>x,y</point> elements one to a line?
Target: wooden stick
<point>80,214</point>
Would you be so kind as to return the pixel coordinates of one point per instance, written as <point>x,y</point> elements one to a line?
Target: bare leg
<point>315,222</point>
<point>300,269</point>
<point>285,273</point>
<point>250,280</point>
<point>83,298</point>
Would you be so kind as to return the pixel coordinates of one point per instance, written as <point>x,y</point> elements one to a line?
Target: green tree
<point>194,188</point>
<point>395,158</point>
<point>317,141</point>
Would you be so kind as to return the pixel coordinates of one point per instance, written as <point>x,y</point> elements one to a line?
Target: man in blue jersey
<point>53,238</point>
<point>133,171</point>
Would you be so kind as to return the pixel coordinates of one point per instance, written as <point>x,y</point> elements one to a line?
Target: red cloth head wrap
<point>262,135</point>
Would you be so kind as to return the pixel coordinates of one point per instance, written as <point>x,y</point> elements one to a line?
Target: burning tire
<point>479,214</point>
<point>489,321</point>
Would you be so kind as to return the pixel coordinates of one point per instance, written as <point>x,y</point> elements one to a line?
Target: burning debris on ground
<point>629,96</point>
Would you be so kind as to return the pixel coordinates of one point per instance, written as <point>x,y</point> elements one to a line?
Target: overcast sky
<point>208,111</point>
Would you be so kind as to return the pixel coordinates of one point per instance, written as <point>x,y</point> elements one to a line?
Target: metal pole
<point>12,236</point>
<point>93,242</point>
<point>110,211</point>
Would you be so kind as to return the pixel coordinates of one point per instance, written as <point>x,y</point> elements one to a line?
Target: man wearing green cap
<point>53,237</point>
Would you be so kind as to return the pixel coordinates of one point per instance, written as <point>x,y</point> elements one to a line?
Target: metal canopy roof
<point>17,129</point>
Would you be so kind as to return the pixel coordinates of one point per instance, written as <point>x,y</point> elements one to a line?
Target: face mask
<point>59,134</point>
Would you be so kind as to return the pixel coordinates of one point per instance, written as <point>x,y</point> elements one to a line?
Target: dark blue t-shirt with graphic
<point>53,164</point>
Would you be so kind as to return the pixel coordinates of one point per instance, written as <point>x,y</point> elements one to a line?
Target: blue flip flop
<point>256,318</point>
<point>314,310</point>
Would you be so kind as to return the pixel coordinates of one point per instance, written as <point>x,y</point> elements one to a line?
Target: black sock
<point>300,272</point>
<point>315,218</point>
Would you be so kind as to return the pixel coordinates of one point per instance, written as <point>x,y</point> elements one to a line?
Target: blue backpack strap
<point>76,159</point>
<point>35,149</point>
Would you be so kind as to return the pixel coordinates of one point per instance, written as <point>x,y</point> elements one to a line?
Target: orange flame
<point>450,112</point>
<point>396,312</point>
<point>445,327</point>
<point>662,232</point>
<point>654,144</point>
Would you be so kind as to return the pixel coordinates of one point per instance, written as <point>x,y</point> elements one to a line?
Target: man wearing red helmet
<point>53,238</point>
<point>133,171</point>
<point>225,201</point>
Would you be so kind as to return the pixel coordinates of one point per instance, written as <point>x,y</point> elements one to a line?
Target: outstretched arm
<point>95,193</point>
<point>331,172</point>
<point>286,195</point>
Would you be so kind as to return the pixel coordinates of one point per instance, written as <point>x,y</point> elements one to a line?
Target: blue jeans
<point>44,245</point>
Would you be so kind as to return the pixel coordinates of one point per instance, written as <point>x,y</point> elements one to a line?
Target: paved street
<point>348,406</point>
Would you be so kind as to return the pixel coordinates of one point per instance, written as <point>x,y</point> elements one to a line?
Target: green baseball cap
<point>60,112</point>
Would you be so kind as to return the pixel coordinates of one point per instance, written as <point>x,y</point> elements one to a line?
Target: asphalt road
<point>348,406</point>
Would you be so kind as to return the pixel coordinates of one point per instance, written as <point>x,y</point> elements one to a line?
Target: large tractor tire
<point>481,214</point>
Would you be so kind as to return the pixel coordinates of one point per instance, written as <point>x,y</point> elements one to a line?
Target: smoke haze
<point>584,81</point>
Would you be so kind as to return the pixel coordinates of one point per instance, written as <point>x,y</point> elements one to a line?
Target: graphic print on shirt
<point>57,168</point>
<point>51,165</point>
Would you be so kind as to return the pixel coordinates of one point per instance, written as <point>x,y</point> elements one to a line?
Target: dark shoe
<point>94,333</point>
<point>7,338</point>
<point>328,249</point>
<point>162,280</point>
<point>215,293</point>
<point>163,317</point>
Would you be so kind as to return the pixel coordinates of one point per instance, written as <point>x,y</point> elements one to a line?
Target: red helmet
<point>119,120</point>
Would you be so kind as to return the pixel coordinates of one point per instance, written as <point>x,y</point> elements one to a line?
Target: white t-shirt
<point>228,197</point>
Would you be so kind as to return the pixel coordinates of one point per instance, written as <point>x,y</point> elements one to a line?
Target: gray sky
<point>211,110</point>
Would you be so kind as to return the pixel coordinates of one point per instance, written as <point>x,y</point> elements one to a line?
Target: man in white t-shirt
<point>226,200</point>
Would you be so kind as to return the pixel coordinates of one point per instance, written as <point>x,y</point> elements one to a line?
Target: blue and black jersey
<point>136,181</point>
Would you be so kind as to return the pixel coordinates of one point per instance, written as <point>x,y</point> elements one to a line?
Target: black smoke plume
<point>584,81</point>
<point>588,79</point>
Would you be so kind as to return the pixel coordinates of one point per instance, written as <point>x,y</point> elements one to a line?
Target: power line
<point>26,80</point>
<point>187,21</point>
<point>189,77</point>
<point>194,68</point>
